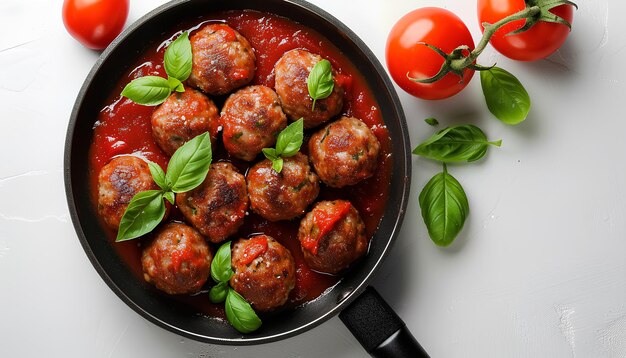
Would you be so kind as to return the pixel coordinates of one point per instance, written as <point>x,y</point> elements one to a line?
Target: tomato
<point>95,23</point>
<point>407,56</point>
<point>538,42</point>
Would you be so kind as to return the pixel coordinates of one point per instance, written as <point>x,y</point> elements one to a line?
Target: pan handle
<point>379,329</point>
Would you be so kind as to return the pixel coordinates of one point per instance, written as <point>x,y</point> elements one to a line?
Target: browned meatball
<point>178,260</point>
<point>264,272</point>
<point>292,72</point>
<point>222,59</point>
<point>118,182</point>
<point>344,152</point>
<point>182,117</point>
<point>282,196</point>
<point>251,120</point>
<point>332,236</point>
<point>218,206</point>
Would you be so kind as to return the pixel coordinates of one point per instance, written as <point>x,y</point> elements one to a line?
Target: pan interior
<point>138,295</point>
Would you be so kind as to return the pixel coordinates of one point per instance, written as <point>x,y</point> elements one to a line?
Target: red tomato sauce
<point>124,127</point>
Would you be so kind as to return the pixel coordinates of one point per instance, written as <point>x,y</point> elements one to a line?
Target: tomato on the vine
<point>95,23</point>
<point>407,56</point>
<point>538,42</point>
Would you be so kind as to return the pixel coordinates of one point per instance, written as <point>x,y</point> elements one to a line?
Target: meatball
<point>285,195</point>
<point>251,120</point>
<point>332,236</point>
<point>218,206</point>
<point>222,59</point>
<point>118,182</point>
<point>182,117</point>
<point>344,152</point>
<point>178,260</point>
<point>291,74</point>
<point>264,272</point>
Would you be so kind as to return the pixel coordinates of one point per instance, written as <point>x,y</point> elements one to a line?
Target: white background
<point>538,271</point>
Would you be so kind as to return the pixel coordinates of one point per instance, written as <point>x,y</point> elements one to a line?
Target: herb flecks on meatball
<point>332,236</point>
<point>344,152</point>
<point>223,59</point>
<point>178,260</point>
<point>251,120</point>
<point>285,195</point>
<point>118,182</point>
<point>183,116</point>
<point>264,272</point>
<point>218,206</point>
<point>291,74</point>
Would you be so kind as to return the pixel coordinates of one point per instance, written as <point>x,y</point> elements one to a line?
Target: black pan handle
<point>379,329</point>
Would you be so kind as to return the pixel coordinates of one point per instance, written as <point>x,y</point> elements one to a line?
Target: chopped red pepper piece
<point>255,247</point>
<point>325,221</point>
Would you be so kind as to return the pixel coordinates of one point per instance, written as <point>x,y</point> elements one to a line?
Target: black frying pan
<point>387,334</point>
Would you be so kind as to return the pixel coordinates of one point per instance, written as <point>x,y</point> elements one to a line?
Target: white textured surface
<point>539,270</point>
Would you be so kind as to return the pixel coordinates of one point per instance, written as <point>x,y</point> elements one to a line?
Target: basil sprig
<point>320,81</point>
<point>505,95</point>
<point>288,144</point>
<point>443,201</point>
<point>239,312</point>
<point>187,168</point>
<point>154,90</point>
<point>444,207</point>
<point>456,144</point>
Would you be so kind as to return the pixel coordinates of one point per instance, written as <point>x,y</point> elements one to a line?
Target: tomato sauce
<point>123,127</point>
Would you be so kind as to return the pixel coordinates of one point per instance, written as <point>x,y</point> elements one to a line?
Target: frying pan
<point>380,330</point>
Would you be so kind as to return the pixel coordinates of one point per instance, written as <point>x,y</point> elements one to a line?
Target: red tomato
<point>406,56</point>
<point>538,42</point>
<point>95,23</point>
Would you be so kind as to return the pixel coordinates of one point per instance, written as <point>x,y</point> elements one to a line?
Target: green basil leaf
<point>240,314</point>
<point>178,58</point>
<point>456,144</point>
<point>147,90</point>
<point>158,175</point>
<point>290,139</point>
<point>277,164</point>
<point>190,164</point>
<point>444,207</point>
<point>169,195</point>
<point>221,266</point>
<point>270,153</point>
<point>218,293</point>
<point>431,121</point>
<point>175,84</point>
<point>320,81</point>
<point>144,212</point>
<point>506,98</point>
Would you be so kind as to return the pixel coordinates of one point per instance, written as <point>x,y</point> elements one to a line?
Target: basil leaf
<point>431,121</point>
<point>506,98</point>
<point>158,175</point>
<point>290,139</point>
<point>444,207</point>
<point>456,144</point>
<point>169,195</point>
<point>144,212</point>
<point>320,81</point>
<point>175,84</point>
<point>270,153</point>
<point>277,165</point>
<point>218,293</point>
<point>221,267</point>
<point>240,314</point>
<point>190,164</point>
<point>147,90</point>
<point>178,58</point>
